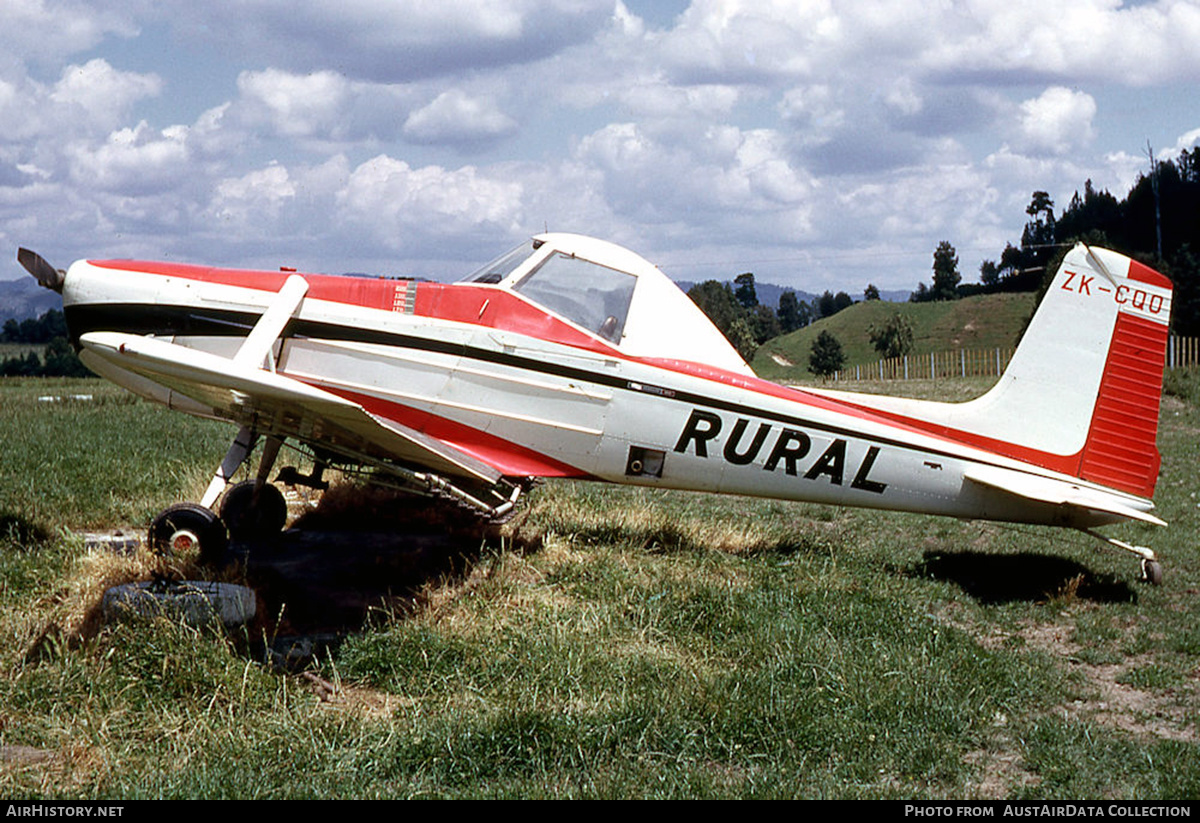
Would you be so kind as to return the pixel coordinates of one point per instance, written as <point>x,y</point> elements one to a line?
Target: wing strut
<point>268,328</point>
<point>253,352</point>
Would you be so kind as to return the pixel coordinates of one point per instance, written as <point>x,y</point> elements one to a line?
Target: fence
<point>1182,352</point>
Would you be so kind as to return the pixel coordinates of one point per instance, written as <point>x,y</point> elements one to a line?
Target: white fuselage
<point>534,406</point>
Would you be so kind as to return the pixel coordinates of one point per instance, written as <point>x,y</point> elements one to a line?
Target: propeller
<point>46,274</point>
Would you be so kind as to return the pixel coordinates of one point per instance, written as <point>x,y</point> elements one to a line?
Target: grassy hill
<point>981,322</point>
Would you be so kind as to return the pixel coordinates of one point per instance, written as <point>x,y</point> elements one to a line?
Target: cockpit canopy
<point>613,293</point>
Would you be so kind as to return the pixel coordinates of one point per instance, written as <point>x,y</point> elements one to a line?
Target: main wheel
<point>250,514</point>
<point>188,527</point>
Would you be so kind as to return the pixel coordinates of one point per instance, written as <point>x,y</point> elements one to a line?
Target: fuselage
<point>497,376</point>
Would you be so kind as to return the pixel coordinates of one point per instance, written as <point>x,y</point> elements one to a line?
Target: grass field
<point>614,643</point>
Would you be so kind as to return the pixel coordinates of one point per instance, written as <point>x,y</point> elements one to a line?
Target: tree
<point>945,272</point>
<point>793,314</point>
<point>765,323</point>
<point>1041,227</point>
<point>871,292</point>
<point>989,273</point>
<point>826,356</point>
<point>61,360</point>
<point>717,301</point>
<point>744,291</point>
<point>1037,240</point>
<point>894,338</point>
<point>741,337</point>
<point>823,305</point>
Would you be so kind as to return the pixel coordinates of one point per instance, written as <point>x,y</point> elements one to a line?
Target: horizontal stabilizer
<point>1057,492</point>
<point>279,405</point>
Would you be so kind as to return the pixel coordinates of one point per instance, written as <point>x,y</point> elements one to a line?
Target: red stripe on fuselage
<point>507,458</point>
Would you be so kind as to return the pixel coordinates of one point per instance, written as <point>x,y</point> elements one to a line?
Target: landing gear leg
<point>239,450</point>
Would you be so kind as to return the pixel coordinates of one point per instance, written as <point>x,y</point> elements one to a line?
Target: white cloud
<point>749,40</point>
<point>457,118</point>
<point>401,207</point>
<point>1056,122</point>
<point>132,161</point>
<point>42,30</point>
<point>1188,141</point>
<point>295,105</point>
<point>103,93</point>
<point>253,197</point>
<point>1075,40</point>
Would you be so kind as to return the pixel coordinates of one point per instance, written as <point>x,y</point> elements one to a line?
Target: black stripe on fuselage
<point>138,318</point>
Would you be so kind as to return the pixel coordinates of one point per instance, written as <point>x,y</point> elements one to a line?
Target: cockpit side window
<point>502,266</point>
<point>593,296</point>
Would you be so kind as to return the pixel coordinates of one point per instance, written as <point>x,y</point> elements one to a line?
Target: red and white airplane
<point>573,357</point>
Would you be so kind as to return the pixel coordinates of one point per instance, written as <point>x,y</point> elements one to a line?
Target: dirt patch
<point>1002,768</point>
<point>361,701</point>
<point>1115,704</point>
<point>1109,700</point>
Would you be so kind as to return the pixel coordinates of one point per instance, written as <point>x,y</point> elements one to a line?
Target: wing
<point>238,390</point>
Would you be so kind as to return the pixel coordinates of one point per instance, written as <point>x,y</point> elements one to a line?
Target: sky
<point>820,145</point>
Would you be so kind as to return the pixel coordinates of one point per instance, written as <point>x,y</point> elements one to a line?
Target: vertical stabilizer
<point>1081,394</point>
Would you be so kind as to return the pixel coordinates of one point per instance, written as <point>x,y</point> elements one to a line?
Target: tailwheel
<point>253,511</point>
<point>1152,572</point>
<point>187,528</point>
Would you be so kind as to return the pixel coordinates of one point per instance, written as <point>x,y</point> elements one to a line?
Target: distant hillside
<point>981,322</point>
<point>23,298</point>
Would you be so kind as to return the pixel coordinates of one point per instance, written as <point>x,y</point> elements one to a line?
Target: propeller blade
<point>46,274</point>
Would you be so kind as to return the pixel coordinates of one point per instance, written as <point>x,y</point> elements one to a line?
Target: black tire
<point>1152,572</point>
<point>251,516</point>
<point>188,526</point>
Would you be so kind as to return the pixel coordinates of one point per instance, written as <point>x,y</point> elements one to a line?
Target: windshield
<point>594,296</point>
<point>502,266</point>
